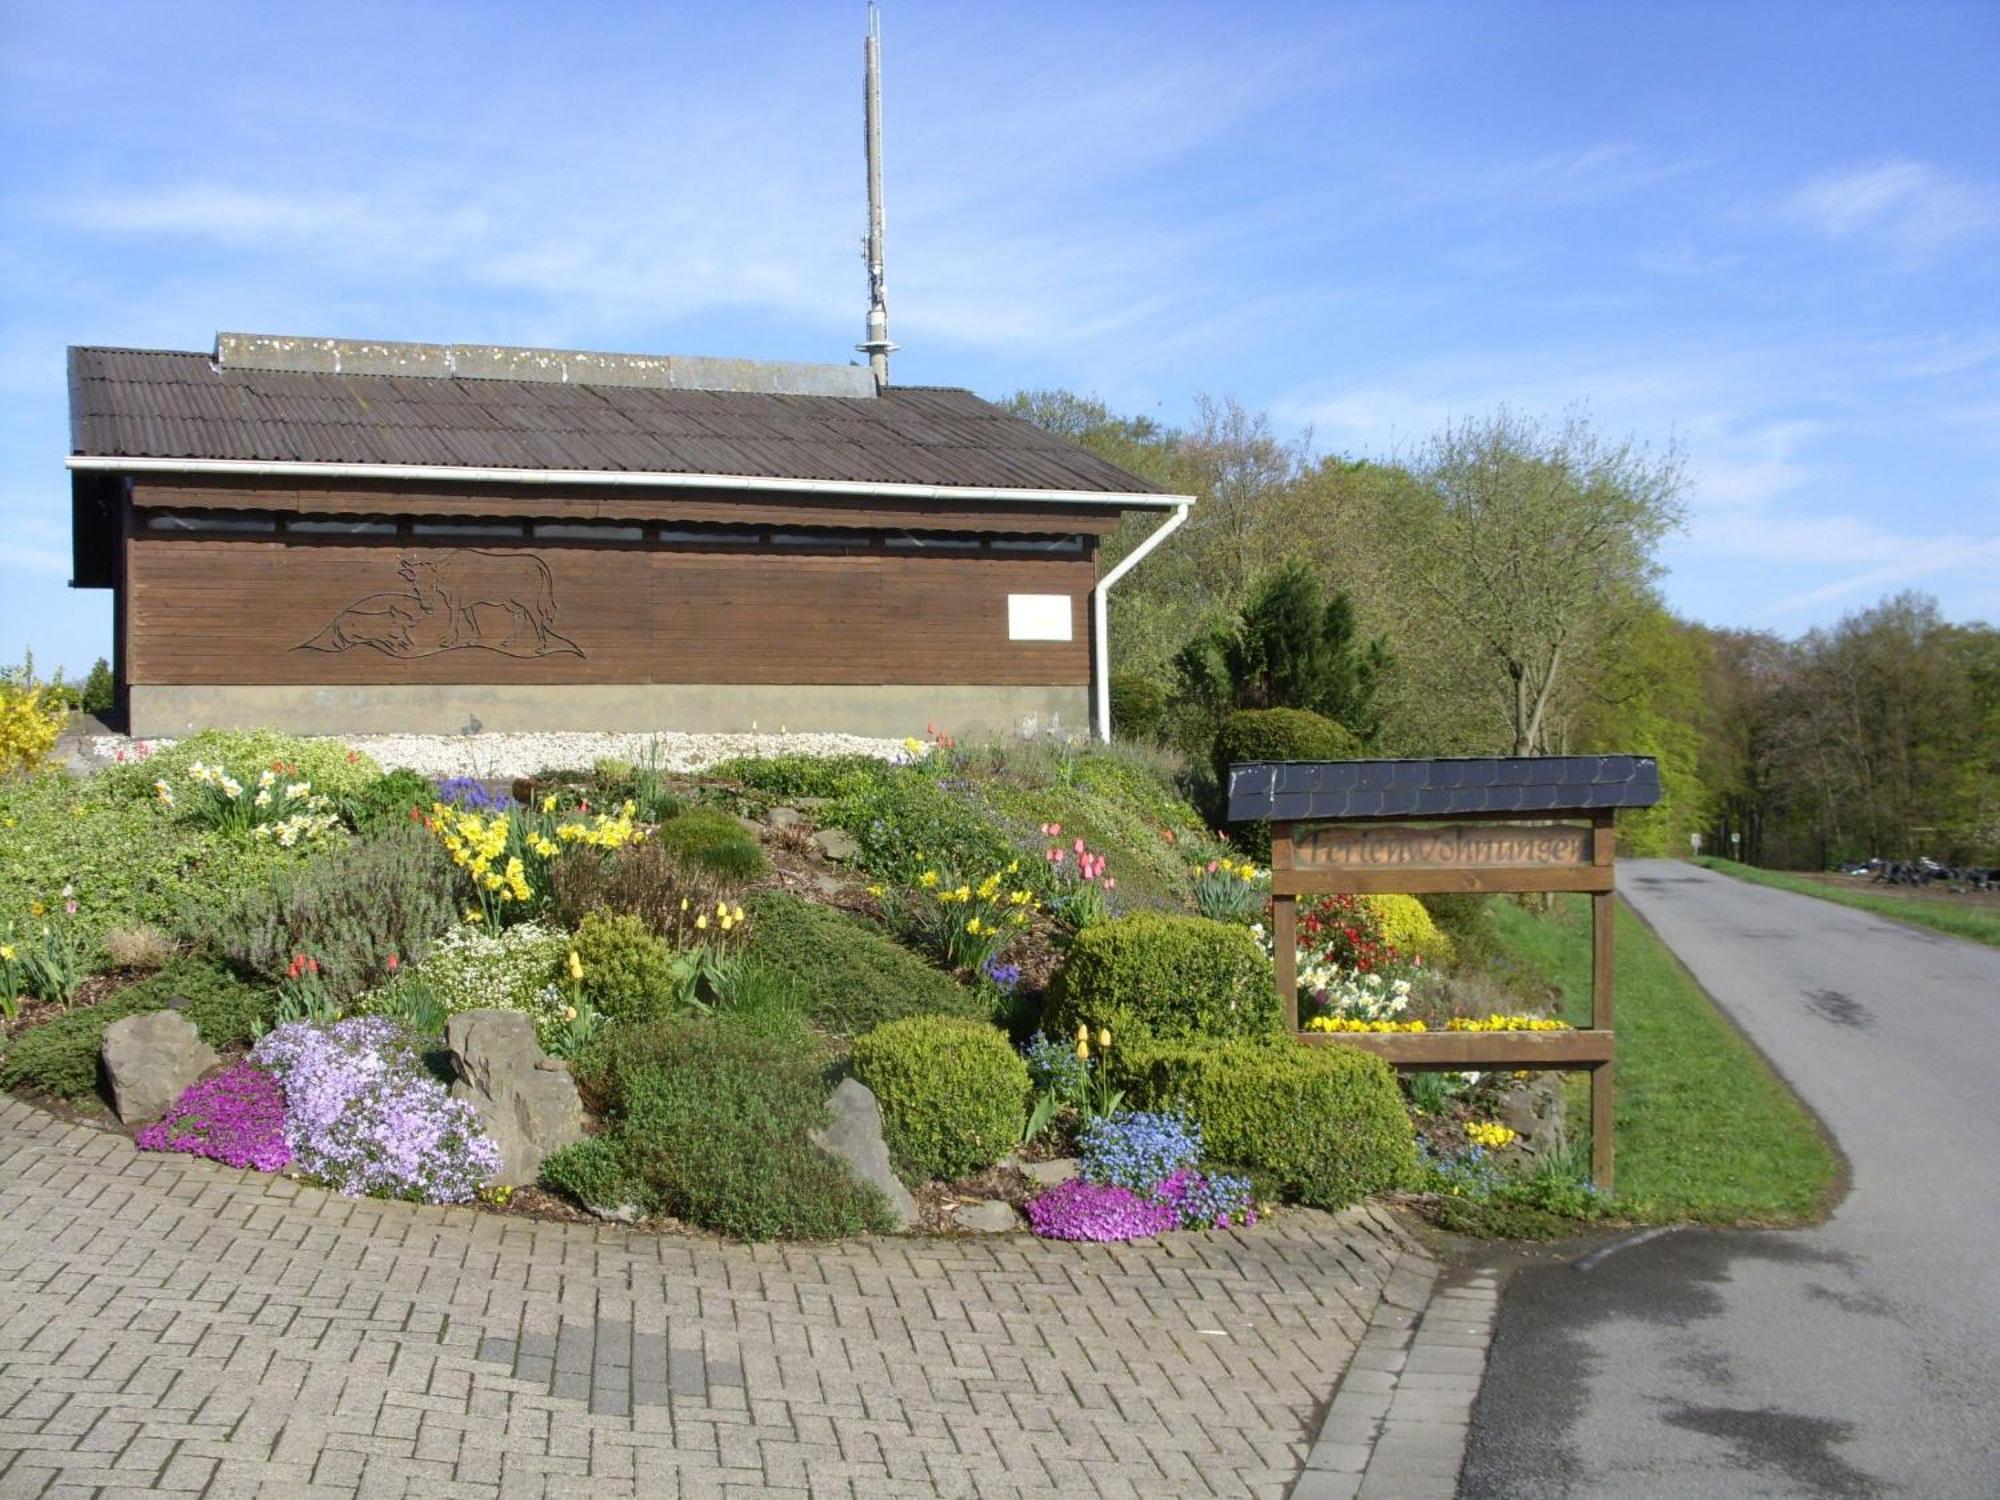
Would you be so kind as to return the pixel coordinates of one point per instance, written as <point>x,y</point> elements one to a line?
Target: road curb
<point>1396,1428</point>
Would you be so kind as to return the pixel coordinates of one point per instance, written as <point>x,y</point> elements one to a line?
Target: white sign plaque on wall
<point>1038,617</point>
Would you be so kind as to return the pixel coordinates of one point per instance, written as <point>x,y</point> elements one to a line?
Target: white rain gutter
<point>1100,630</point>
<point>628,479</point>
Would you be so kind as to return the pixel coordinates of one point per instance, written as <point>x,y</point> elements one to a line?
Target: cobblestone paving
<point>172,1325</point>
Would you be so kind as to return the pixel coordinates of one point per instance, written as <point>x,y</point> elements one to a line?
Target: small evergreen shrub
<point>1151,975</point>
<point>628,974</point>
<point>1465,921</point>
<point>60,1055</point>
<point>361,911</point>
<point>951,1090</point>
<point>1324,1126</point>
<point>1137,706</point>
<point>386,803</point>
<point>713,842</point>
<point>1254,734</point>
<point>710,1122</point>
<point>852,976</point>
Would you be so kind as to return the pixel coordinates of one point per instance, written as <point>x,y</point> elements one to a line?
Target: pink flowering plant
<point>363,1117</point>
<point>1139,1176</point>
<point>237,1118</point>
<point>1081,883</point>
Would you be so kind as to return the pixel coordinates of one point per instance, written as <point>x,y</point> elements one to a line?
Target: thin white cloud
<point>1911,210</point>
<point>1910,561</point>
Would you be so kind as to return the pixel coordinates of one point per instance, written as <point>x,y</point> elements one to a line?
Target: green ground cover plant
<point>951,1090</point>
<point>714,843</point>
<point>1706,1131</point>
<point>1976,924</point>
<point>59,1056</point>
<point>709,1122</point>
<point>853,976</point>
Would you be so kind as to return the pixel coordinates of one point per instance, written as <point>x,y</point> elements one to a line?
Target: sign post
<point>1420,827</point>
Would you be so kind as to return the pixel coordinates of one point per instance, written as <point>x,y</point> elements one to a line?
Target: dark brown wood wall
<point>254,611</point>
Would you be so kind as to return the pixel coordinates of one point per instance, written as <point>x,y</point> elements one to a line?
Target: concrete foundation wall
<point>890,711</point>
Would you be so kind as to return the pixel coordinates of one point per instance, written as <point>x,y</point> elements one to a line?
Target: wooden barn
<point>342,537</point>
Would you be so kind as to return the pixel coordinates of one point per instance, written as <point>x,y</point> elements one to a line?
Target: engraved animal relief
<point>456,600</point>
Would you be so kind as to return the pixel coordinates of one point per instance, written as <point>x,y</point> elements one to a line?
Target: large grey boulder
<point>150,1060</point>
<point>837,844</point>
<point>855,1136</point>
<point>989,1216</point>
<point>527,1101</point>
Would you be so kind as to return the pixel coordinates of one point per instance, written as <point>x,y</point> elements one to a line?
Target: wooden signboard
<point>1485,855</point>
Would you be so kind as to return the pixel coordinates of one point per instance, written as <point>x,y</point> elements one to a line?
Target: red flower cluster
<point>1343,931</point>
<point>301,964</point>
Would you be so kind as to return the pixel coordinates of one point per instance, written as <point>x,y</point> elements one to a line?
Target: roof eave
<point>623,478</point>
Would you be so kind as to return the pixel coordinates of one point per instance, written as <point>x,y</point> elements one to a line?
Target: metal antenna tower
<point>877,346</point>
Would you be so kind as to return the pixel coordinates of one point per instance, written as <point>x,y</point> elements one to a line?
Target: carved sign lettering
<point>457,599</point>
<point>1446,846</point>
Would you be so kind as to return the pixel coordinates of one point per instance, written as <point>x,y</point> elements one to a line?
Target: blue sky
<point>1769,232</point>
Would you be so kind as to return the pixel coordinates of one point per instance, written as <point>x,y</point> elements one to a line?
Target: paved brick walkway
<point>171,1325</point>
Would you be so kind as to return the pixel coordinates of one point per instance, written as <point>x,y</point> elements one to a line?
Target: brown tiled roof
<point>137,403</point>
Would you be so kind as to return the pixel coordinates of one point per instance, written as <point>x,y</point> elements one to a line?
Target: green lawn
<point>1980,924</point>
<point>1706,1131</point>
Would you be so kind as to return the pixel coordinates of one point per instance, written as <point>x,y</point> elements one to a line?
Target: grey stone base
<point>885,710</point>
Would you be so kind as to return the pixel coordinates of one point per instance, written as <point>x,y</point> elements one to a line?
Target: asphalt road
<point>1857,1358</point>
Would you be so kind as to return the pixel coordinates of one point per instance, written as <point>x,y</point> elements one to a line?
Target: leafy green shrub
<point>712,841</point>
<point>805,775</point>
<point>910,821</point>
<point>1254,734</point>
<point>1406,924</point>
<point>385,804</point>
<point>1466,923</point>
<point>710,1122</point>
<point>1323,1125</point>
<point>951,1092</point>
<point>627,972</point>
<point>60,1055</point>
<point>1150,975</point>
<point>1137,706</point>
<point>333,769</point>
<point>353,909</point>
<point>100,689</point>
<point>852,976</point>
<point>476,968</point>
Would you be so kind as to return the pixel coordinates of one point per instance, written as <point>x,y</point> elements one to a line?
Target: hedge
<point>1324,1126</point>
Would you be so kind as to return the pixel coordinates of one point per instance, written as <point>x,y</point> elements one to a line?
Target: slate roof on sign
<point>1290,791</point>
<point>135,403</point>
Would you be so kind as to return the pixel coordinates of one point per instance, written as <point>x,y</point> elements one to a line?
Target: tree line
<point>1495,591</point>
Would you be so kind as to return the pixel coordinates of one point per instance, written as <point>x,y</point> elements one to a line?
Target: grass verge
<point>1923,911</point>
<point>1706,1130</point>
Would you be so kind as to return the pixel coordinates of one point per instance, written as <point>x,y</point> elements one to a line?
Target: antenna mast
<point>877,346</point>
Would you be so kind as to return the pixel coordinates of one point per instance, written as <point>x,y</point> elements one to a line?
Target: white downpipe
<point>1100,630</point>
<point>623,478</point>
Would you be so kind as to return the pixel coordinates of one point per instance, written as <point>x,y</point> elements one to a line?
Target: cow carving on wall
<point>455,600</point>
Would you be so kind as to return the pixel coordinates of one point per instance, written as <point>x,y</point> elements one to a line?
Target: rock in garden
<point>1049,1173</point>
<point>989,1217</point>
<point>855,1136</point>
<point>527,1102</point>
<point>150,1060</point>
<point>837,843</point>
<point>784,817</point>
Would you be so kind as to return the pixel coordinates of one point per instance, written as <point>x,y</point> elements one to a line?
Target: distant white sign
<point>1038,617</point>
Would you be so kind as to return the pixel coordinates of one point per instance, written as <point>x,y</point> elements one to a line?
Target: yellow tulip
<point>575,965</point>
<point>1103,1037</point>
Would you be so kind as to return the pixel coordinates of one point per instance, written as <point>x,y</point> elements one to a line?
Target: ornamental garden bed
<point>1018,986</point>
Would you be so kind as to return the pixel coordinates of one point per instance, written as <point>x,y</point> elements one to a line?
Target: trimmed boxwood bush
<point>1152,975</point>
<point>1252,734</point>
<point>1137,706</point>
<point>1324,1126</point>
<point>627,972</point>
<point>714,842</point>
<point>60,1055</point>
<point>710,1122</point>
<point>951,1092</point>
<point>853,977</point>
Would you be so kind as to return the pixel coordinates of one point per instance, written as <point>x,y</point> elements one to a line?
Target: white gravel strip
<point>500,756</point>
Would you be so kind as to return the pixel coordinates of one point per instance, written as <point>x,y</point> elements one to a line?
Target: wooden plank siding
<point>204,610</point>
